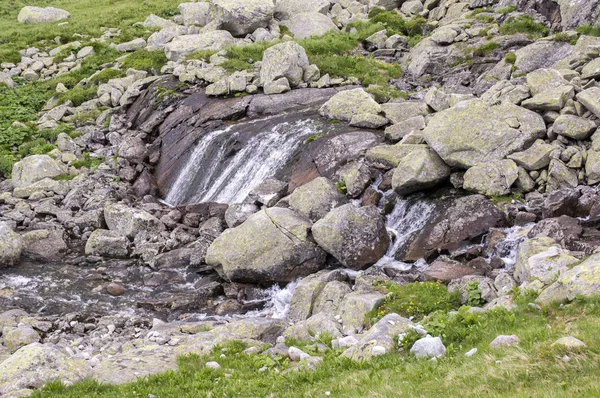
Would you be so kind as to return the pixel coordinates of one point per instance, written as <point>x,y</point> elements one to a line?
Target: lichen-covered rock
<point>307,24</point>
<point>590,98</point>
<point>237,213</point>
<point>355,177</point>
<point>355,236</point>
<point>544,79</point>
<point>37,15</point>
<point>592,167</point>
<point>560,176</point>
<point>287,60</point>
<point>20,337</point>
<point>313,327</point>
<point>346,104</point>
<point>315,199</point>
<point>182,46</point>
<point>399,112</point>
<point>28,368</point>
<point>131,222</point>
<point>536,157</point>
<point>355,306</point>
<point>493,178</point>
<point>553,99</point>
<point>273,245</point>
<point>486,287</point>
<point>44,245</point>
<point>35,168</point>
<point>11,245</point>
<point>400,130</point>
<point>420,168</point>
<point>546,266</point>
<point>382,334</point>
<point>194,13</point>
<point>473,132</point>
<point>241,17</point>
<point>105,243</point>
<point>285,9</point>
<point>581,280</point>
<point>279,86</point>
<point>368,120</point>
<point>528,249</point>
<point>428,347</point>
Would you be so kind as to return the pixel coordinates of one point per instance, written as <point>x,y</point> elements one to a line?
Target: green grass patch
<point>384,93</point>
<point>589,30</point>
<point>510,58</point>
<point>87,161</point>
<point>150,61</point>
<point>486,49</point>
<point>507,10</point>
<point>524,24</point>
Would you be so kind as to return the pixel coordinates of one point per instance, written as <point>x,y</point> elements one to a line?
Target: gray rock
<point>400,130</point>
<point>368,120</point>
<point>268,192</point>
<point>130,222</point>
<point>285,9</point>
<point>35,168</point>
<point>382,334</point>
<point>37,15</point>
<point>44,245</point>
<point>315,199</point>
<point>398,112</point>
<point>485,285</point>
<point>279,86</point>
<point>553,99</point>
<point>574,127</point>
<point>356,176</point>
<point>355,306</point>
<point>504,341</point>
<point>308,24</point>
<point>20,337</point>
<point>133,149</point>
<point>130,46</point>
<point>420,168</point>
<point>536,157</point>
<point>493,178</point>
<point>106,243</point>
<point>273,245</point>
<point>11,246</point>
<point>237,213</point>
<point>560,176</point>
<point>544,79</point>
<point>286,60</point>
<point>581,280</point>
<point>590,98</point>
<point>356,237</point>
<point>241,18</point>
<point>473,132</point>
<point>182,46</point>
<point>428,347</point>
<point>346,104</point>
<point>194,13</point>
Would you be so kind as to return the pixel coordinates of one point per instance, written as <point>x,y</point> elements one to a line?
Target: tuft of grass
<point>510,58</point>
<point>589,30</point>
<point>383,93</point>
<point>508,9</point>
<point>486,49</point>
<point>150,61</point>
<point>64,177</point>
<point>415,300</point>
<point>105,75</point>
<point>524,24</point>
<point>87,161</point>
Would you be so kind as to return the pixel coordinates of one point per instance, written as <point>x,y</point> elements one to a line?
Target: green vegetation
<point>589,30</point>
<point>150,61</point>
<point>383,93</point>
<point>486,18</point>
<point>486,49</point>
<point>87,161</point>
<point>524,24</point>
<point>415,300</point>
<point>507,9</point>
<point>87,19</point>
<point>395,24</point>
<point>510,58</point>
<point>534,368</point>
<point>341,187</point>
<point>64,177</point>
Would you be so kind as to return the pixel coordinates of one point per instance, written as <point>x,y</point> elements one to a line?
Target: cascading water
<point>218,171</point>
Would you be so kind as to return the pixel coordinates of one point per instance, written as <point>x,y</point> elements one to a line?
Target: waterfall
<point>218,170</point>
<point>407,218</point>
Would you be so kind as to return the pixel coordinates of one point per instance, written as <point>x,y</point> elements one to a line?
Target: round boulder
<point>241,17</point>
<point>355,236</point>
<point>287,60</point>
<point>36,15</point>
<point>346,104</point>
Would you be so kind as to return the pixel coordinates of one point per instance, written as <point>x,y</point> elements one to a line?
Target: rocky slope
<point>496,140</point>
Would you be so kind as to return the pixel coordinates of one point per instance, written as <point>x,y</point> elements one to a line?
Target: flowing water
<point>227,164</point>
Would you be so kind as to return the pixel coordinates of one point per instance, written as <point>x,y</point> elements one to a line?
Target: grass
<point>87,161</point>
<point>589,30</point>
<point>486,49</point>
<point>524,24</point>
<point>150,61</point>
<point>87,18</point>
<point>534,368</point>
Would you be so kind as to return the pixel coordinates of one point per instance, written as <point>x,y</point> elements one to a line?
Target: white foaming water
<point>212,174</point>
<point>278,301</point>
<point>507,249</point>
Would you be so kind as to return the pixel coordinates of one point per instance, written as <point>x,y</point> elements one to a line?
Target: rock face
<point>355,236</point>
<point>581,280</point>
<point>35,168</point>
<point>307,24</point>
<point>287,60</point>
<point>27,368</point>
<point>241,17</point>
<point>419,169</point>
<point>181,46</point>
<point>315,199</point>
<point>272,246</point>
<point>454,221</point>
<point>37,15</point>
<point>344,105</point>
<point>473,132</point>
<point>11,245</point>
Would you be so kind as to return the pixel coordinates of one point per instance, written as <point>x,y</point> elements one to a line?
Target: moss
<point>383,93</point>
<point>507,9</point>
<point>105,75</point>
<point>486,18</point>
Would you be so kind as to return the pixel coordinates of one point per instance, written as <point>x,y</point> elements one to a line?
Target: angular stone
<point>592,167</point>
<point>553,99</point>
<point>590,98</point>
<point>581,280</point>
<point>131,222</point>
<point>37,15</point>
<point>428,347</point>
<point>308,24</point>
<point>574,127</point>
<point>544,79</point>
<point>20,337</point>
<point>356,176</point>
<point>287,60</point>
<point>419,169</point>
<point>536,157</point>
<point>560,176</point>
<point>346,104</point>
<point>355,306</point>
<point>315,199</point>
<point>182,46</point>
<point>382,334</point>
<point>399,130</point>
<point>35,168</point>
<point>194,13</point>
<point>106,243</point>
<point>368,120</point>
<point>398,112</point>
<point>11,246</point>
<point>494,178</point>
<point>241,18</point>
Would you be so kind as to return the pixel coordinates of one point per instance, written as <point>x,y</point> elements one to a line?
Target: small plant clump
<point>524,24</point>
<point>87,161</point>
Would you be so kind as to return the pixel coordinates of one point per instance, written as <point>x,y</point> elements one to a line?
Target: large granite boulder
<point>355,236</point>
<point>11,245</point>
<point>37,15</point>
<point>536,157</point>
<point>107,243</point>
<point>44,245</point>
<point>346,104</point>
<point>493,178</point>
<point>35,168</point>
<point>287,60</point>
<point>241,17</point>
<point>583,280</point>
<point>182,46</point>
<point>194,13</point>
<point>131,222</point>
<point>474,132</point>
<point>28,368</point>
<point>454,220</point>
<point>419,169</point>
<point>315,199</point>
<point>272,246</point>
<point>285,9</point>
<point>307,24</point>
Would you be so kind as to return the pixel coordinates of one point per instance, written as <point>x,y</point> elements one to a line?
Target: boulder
<point>574,127</point>
<point>560,176</point>
<point>307,24</point>
<point>590,98</point>
<point>398,112</point>
<point>536,157</point>
<point>268,192</point>
<point>241,17</point>
<point>355,236</point>
<point>105,243</point>
<point>20,337</point>
<point>540,54</point>
<point>287,60</point>
<point>428,347</point>
<point>446,270</point>
<point>133,149</point>
<point>553,99</point>
<point>563,229</point>
<point>419,169</point>
<point>583,280</point>
<point>130,222</point>
<point>37,15</point>
<point>28,368</point>
<point>505,341</point>
<point>286,9</point>
<point>592,167</point>
<point>313,327</point>
<point>237,213</point>
<point>486,287</point>
<point>473,132</point>
<point>545,266</point>
<point>11,246</point>
<point>182,46</point>
<point>272,246</point>
<point>44,245</point>
<point>279,86</point>
<point>312,290</point>
<point>526,250</point>
<point>194,13</point>
<point>544,79</point>
<point>315,199</point>
<point>454,220</point>
<point>355,306</point>
<point>346,104</point>
<point>35,168</point>
<point>494,178</point>
<point>356,177</point>
<point>570,343</point>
